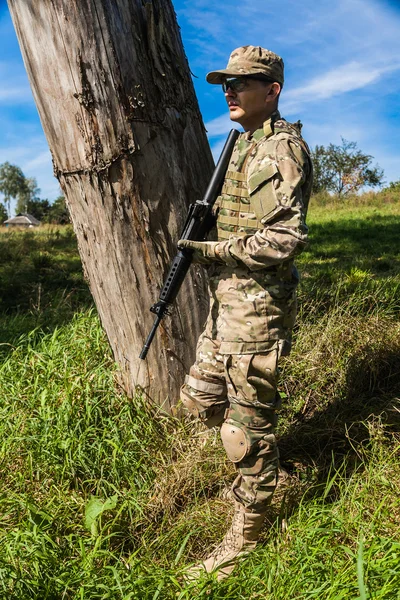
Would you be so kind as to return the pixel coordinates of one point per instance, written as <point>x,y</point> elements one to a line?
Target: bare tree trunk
<point>116,101</point>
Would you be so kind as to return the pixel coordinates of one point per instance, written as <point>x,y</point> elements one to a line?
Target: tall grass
<point>41,280</point>
<point>105,497</point>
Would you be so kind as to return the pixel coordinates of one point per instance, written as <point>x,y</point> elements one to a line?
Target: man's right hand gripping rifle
<point>198,224</point>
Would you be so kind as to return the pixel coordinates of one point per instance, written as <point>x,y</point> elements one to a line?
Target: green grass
<point>353,257</point>
<point>41,280</point>
<point>103,497</point>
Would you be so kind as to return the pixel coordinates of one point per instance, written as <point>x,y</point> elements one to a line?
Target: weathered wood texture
<point>117,104</point>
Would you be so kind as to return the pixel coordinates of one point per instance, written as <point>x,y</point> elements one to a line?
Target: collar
<point>267,129</point>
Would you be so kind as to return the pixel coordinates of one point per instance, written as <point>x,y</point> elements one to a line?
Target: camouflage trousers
<point>238,392</point>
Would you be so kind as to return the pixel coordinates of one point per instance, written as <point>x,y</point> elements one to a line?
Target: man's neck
<point>251,128</point>
<point>273,115</point>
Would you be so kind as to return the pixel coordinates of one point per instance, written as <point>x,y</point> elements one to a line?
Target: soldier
<point>260,229</point>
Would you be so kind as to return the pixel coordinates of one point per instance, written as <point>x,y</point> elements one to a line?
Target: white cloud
<point>43,159</point>
<point>332,131</point>
<point>15,94</point>
<point>340,80</point>
<point>220,126</point>
<point>216,149</point>
<point>33,157</point>
<point>14,85</point>
<point>309,35</point>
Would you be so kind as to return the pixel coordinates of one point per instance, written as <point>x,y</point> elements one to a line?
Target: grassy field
<point>103,498</point>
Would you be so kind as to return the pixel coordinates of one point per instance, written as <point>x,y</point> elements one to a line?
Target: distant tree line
<point>338,169</point>
<point>24,190</point>
<point>394,186</point>
<point>344,169</point>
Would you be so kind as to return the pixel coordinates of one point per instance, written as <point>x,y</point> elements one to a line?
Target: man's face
<point>251,102</point>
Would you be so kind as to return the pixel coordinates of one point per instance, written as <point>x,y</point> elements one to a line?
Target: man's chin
<point>234,117</point>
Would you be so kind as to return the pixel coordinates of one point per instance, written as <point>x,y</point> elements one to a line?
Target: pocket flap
<point>262,176</point>
<point>276,214</point>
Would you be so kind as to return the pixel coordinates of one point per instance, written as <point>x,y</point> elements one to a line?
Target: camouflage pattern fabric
<point>250,60</point>
<point>254,291</point>
<point>241,391</point>
<point>260,229</point>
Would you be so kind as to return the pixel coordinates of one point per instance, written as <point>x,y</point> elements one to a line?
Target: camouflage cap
<point>250,60</point>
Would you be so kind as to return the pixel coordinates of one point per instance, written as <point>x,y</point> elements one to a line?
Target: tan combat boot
<point>240,539</point>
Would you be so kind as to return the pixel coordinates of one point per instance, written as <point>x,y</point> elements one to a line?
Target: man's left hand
<point>204,253</point>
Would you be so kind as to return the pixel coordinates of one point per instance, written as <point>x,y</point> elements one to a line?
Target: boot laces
<point>233,540</point>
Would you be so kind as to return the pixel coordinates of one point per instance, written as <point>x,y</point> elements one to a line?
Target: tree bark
<point>114,93</point>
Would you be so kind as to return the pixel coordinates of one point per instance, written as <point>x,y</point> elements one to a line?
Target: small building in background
<point>22,220</point>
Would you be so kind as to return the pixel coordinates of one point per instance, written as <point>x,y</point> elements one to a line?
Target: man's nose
<point>229,92</point>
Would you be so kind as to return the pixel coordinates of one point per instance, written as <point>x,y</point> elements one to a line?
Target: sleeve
<point>275,188</point>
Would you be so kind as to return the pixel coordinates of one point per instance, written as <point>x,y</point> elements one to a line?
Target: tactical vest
<point>236,215</point>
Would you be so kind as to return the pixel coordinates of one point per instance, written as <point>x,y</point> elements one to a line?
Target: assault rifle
<point>198,224</point>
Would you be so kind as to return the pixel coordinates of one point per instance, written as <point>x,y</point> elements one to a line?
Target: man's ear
<point>272,95</point>
<point>274,90</point>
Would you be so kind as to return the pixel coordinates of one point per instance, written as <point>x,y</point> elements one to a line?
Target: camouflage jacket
<point>261,228</point>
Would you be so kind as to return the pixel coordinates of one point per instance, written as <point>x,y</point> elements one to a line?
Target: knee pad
<point>235,440</point>
<point>240,443</point>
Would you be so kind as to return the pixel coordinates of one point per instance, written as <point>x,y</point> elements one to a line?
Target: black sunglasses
<point>238,84</point>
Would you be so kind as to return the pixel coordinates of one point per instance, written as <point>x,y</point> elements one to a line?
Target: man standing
<point>260,229</point>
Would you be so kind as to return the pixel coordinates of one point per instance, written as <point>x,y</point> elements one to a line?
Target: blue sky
<point>342,69</point>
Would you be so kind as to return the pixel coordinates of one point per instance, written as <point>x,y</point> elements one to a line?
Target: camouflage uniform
<point>260,229</point>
